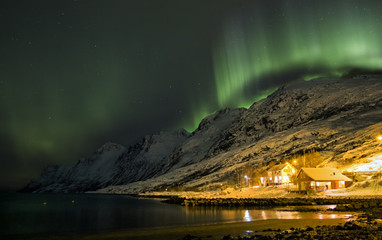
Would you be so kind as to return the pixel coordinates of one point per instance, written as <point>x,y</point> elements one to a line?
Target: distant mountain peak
<point>109,146</point>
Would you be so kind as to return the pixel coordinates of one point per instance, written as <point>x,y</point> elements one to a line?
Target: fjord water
<point>82,213</point>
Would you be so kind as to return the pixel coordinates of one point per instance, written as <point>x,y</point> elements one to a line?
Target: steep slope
<point>110,164</point>
<point>143,160</point>
<point>339,118</point>
<point>332,116</point>
<point>88,174</point>
<point>303,103</point>
<point>195,148</point>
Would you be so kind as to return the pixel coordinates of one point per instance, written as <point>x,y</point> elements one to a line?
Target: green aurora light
<point>309,36</point>
<point>76,74</point>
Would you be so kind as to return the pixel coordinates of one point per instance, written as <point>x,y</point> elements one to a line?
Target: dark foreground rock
<point>349,230</point>
<point>367,226</point>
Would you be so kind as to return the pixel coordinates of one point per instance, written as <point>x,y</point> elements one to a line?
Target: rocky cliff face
<point>145,159</point>
<point>333,101</point>
<point>333,116</point>
<point>196,147</point>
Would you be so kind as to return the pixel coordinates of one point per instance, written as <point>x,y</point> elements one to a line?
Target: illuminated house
<point>320,179</point>
<point>279,174</point>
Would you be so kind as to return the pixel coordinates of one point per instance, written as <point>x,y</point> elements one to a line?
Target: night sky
<point>76,74</point>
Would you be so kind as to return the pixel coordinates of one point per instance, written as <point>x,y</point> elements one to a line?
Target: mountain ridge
<point>321,114</point>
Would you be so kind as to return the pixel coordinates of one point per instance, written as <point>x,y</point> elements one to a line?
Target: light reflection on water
<point>256,215</point>
<point>247,216</point>
<point>252,215</point>
<point>41,213</point>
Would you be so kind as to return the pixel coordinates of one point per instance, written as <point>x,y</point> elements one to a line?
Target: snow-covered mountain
<point>333,116</point>
<point>110,164</point>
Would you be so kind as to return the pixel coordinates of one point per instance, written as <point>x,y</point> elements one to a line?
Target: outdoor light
<point>380,139</point>
<point>246,180</point>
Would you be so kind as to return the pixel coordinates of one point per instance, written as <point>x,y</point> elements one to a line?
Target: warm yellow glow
<point>374,164</point>
<point>324,186</point>
<point>264,215</point>
<point>379,138</point>
<point>281,176</point>
<point>285,179</point>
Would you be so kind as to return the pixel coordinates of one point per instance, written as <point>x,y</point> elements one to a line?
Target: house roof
<point>279,167</point>
<point>324,174</point>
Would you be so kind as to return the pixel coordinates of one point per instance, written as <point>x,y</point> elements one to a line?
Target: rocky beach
<point>368,225</point>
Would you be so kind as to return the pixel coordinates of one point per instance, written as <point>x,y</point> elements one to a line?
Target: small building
<point>278,175</point>
<point>321,179</point>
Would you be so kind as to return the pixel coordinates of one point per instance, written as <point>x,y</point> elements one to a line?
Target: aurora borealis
<point>76,74</point>
<point>308,37</point>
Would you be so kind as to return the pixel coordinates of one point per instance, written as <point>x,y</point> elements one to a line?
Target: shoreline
<point>215,231</point>
<point>210,231</point>
<point>368,225</point>
<point>345,203</point>
<point>368,221</point>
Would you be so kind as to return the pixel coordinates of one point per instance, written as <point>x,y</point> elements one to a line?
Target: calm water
<point>43,213</point>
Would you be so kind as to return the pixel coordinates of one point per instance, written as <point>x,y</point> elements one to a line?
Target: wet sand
<point>210,232</point>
